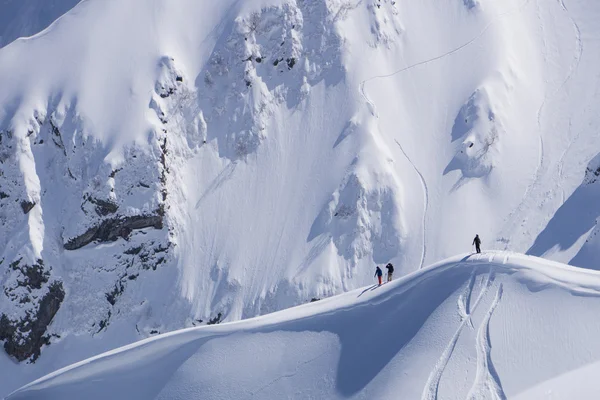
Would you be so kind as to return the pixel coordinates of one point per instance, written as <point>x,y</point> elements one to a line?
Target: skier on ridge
<point>378,274</point>
<point>477,243</point>
<point>390,269</point>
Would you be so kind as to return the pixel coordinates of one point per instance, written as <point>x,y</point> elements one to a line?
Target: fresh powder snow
<point>172,164</point>
<point>495,325</point>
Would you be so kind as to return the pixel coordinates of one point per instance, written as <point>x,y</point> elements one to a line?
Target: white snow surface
<point>289,146</point>
<point>21,18</point>
<point>496,325</point>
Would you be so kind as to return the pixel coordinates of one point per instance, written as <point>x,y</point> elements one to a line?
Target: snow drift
<point>491,326</point>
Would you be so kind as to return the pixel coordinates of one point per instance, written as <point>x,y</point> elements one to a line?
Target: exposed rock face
<point>24,336</point>
<point>24,347</point>
<point>27,206</point>
<point>116,197</point>
<point>114,228</point>
<point>104,207</point>
<point>82,202</point>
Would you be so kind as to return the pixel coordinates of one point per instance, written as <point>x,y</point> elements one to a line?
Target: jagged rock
<point>115,293</point>
<point>105,322</point>
<point>24,338</point>
<point>104,207</point>
<point>27,206</point>
<point>215,320</point>
<point>35,275</point>
<point>134,250</point>
<point>291,62</point>
<point>114,172</point>
<point>112,229</point>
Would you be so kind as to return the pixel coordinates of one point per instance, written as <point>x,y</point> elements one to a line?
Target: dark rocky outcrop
<point>216,320</point>
<point>103,207</point>
<point>34,275</point>
<point>112,229</point>
<point>112,296</point>
<point>27,206</point>
<point>25,338</point>
<point>291,62</point>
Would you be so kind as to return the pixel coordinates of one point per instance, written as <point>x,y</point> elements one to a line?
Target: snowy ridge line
<point>373,109</point>
<point>513,217</point>
<point>433,382</point>
<point>575,280</point>
<point>48,28</point>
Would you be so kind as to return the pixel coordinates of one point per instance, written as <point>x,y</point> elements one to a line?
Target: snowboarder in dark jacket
<point>390,269</point>
<point>378,274</point>
<point>477,243</point>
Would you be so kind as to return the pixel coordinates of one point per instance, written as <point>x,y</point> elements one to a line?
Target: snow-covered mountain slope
<point>169,163</point>
<point>21,18</point>
<point>491,326</point>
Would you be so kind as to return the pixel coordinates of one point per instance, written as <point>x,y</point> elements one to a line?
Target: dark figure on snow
<point>378,274</point>
<point>477,243</point>
<point>390,269</point>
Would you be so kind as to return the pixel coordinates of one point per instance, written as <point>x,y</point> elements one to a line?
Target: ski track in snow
<point>430,391</point>
<point>464,300</point>
<point>515,215</point>
<point>487,382</point>
<point>373,108</point>
<point>425,203</point>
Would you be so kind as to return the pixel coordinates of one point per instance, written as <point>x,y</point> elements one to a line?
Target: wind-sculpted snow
<point>363,221</point>
<point>477,127</point>
<point>482,326</point>
<point>172,163</point>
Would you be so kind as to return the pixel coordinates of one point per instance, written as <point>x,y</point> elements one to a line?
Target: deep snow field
<point>169,164</point>
<point>492,326</point>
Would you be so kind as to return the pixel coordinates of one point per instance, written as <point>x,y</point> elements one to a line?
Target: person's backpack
<point>390,267</point>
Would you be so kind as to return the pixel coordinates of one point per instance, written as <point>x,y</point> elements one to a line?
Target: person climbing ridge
<point>390,269</point>
<point>378,274</point>
<point>477,243</point>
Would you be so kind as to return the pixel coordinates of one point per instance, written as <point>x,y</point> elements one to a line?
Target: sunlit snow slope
<point>21,18</point>
<point>169,163</point>
<point>491,326</point>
